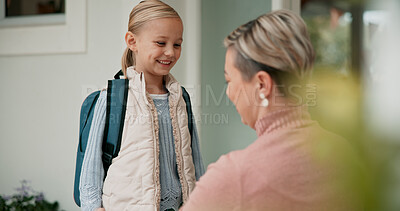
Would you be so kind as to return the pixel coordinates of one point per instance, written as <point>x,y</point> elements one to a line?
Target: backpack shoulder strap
<point>86,116</point>
<point>186,97</point>
<point>87,111</point>
<point>117,94</point>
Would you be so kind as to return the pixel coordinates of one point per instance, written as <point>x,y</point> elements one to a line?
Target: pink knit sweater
<point>293,165</point>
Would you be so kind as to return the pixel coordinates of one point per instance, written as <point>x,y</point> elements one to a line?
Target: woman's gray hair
<point>276,42</point>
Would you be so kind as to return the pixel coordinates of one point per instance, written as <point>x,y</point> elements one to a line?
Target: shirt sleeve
<point>197,159</point>
<point>218,189</point>
<point>92,175</point>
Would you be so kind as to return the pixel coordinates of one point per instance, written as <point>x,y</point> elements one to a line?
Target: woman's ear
<point>264,82</point>
<point>130,40</point>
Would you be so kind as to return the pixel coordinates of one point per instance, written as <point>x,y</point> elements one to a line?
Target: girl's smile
<point>157,47</point>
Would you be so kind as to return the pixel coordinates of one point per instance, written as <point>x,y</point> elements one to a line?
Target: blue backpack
<point>117,94</point>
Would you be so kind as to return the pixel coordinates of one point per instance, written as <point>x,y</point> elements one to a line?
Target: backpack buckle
<point>107,159</point>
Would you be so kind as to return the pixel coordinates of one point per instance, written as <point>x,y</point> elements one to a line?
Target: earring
<point>264,101</point>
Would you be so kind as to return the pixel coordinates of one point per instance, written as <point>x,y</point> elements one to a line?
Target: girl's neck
<point>155,84</point>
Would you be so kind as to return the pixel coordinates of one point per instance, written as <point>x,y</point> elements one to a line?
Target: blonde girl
<point>159,161</point>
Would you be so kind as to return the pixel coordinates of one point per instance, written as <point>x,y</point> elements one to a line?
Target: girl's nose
<point>169,51</point>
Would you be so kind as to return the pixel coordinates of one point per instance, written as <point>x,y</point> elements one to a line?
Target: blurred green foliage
<point>340,109</point>
<point>332,46</point>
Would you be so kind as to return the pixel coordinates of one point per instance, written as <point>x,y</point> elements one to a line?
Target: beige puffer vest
<point>132,181</point>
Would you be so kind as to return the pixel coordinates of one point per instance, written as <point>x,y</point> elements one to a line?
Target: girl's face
<point>157,46</point>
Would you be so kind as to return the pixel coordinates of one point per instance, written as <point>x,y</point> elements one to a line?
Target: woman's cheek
<point>229,92</point>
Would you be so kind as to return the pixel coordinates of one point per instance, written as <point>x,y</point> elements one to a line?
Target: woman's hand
<point>100,209</point>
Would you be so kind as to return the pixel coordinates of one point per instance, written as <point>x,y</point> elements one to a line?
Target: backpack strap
<point>186,97</point>
<point>119,74</point>
<point>117,94</point>
<point>86,117</point>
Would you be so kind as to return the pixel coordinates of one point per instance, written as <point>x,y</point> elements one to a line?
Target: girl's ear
<point>264,82</point>
<point>130,40</point>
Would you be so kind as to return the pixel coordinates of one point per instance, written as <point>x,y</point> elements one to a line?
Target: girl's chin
<point>162,72</point>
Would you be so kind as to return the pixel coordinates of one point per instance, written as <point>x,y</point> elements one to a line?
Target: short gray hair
<point>276,42</point>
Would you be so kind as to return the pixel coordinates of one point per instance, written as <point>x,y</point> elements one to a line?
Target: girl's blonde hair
<point>276,42</point>
<point>142,13</point>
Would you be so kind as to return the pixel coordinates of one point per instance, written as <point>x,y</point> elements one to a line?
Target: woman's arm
<point>219,188</point>
<point>92,175</point>
<point>197,159</point>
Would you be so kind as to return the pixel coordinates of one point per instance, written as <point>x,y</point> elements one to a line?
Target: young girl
<point>157,165</point>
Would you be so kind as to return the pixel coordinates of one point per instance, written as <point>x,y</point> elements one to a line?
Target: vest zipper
<point>183,163</point>
<point>156,152</point>
<point>175,126</point>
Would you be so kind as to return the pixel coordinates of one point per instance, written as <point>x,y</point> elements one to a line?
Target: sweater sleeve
<point>197,159</point>
<point>218,189</point>
<point>91,180</point>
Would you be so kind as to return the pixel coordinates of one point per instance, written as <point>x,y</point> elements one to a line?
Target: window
<point>16,8</point>
<point>14,13</point>
<point>30,27</point>
<point>342,33</point>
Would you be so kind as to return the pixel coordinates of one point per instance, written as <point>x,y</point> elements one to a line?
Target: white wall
<point>41,97</point>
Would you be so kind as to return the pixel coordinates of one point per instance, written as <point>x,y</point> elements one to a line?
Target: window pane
<point>329,28</point>
<point>16,8</point>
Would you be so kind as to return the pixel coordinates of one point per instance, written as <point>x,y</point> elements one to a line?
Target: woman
<point>294,164</point>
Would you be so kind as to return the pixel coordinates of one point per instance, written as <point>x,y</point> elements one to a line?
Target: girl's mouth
<point>164,62</point>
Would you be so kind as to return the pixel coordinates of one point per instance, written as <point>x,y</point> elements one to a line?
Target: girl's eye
<point>160,43</point>
<point>177,45</point>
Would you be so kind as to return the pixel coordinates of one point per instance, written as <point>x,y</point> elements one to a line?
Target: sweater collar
<point>289,116</point>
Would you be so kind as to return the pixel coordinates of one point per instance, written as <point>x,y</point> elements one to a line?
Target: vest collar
<point>171,84</point>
